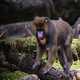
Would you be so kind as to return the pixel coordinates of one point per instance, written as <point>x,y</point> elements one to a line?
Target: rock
<point>78,75</point>
<point>21,29</point>
<point>30,77</point>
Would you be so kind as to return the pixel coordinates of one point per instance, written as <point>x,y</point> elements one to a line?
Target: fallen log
<point>53,74</point>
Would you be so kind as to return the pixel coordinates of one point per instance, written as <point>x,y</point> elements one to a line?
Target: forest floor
<point>18,74</point>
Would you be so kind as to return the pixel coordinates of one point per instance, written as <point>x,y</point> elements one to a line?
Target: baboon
<point>53,36</point>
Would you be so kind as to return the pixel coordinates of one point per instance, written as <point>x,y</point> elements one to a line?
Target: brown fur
<point>60,33</point>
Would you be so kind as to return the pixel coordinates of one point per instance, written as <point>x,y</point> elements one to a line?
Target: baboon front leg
<point>51,56</point>
<point>38,57</point>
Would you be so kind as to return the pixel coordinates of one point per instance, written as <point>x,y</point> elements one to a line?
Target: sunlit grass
<point>75,65</point>
<point>56,64</point>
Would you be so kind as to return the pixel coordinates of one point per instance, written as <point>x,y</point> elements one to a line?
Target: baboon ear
<point>46,19</point>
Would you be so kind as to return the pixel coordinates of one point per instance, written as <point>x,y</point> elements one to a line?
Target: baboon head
<point>40,26</point>
<point>40,23</point>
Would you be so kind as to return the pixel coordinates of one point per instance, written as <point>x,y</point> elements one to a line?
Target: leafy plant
<point>12,75</point>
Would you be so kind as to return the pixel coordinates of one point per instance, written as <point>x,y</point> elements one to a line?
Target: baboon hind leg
<point>68,53</point>
<point>64,63</point>
<point>63,59</point>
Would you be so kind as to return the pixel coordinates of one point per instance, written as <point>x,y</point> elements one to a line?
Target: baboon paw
<point>68,76</point>
<point>35,65</point>
<point>46,69</point>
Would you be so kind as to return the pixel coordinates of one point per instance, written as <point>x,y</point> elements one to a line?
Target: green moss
<point>12,75</point>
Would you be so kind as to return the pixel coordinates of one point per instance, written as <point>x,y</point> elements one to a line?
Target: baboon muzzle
<point>41,37</point>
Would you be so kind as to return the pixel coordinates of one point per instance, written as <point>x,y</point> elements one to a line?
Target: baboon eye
<point>46,20</point>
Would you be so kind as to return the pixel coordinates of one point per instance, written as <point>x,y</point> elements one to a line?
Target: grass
<point>75,65</point>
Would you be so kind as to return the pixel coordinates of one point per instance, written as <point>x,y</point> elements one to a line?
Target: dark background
<point>25,10</point>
